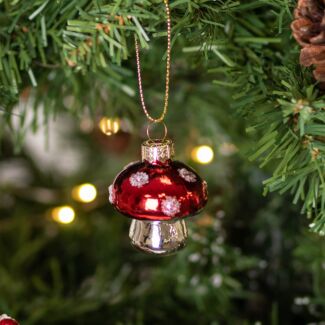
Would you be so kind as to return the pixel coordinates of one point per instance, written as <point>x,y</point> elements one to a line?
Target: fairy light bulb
<point>84,193</point>
<point>109,126</point>
<point>202,154</point>
<point>64,214</point>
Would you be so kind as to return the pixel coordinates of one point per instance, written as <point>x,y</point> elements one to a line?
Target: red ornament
<point>6,320</point>
<point>160,192</point>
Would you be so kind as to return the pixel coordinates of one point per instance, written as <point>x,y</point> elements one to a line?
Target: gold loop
<point>163,114</point>
<point>151,124</point>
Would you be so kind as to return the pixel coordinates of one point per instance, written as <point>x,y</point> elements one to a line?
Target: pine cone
<point>308,29</point>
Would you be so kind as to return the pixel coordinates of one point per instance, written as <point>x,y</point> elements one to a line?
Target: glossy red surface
<point>8,321</point>
<point>163,182</point>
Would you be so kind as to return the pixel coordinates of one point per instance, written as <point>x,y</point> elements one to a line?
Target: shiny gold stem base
<point>158,237</point>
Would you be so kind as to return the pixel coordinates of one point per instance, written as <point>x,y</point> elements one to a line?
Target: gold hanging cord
<point>137,51</point>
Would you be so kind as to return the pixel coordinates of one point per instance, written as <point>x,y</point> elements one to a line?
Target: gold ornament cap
<point>157,150</point>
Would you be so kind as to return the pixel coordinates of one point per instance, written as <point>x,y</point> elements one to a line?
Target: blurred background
<point>70,120</point>
<point>66,256</point>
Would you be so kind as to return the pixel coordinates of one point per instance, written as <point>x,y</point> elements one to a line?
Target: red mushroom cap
<point>158,191</point>
<point>6,320</point>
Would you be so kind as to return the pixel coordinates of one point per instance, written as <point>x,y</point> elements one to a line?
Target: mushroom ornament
<point>158,193</point>
<point>6,320</point>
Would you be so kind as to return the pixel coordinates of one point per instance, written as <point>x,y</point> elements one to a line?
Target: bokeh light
<point>84,193</point>
<point>64,214</point>
<point>109,126</point>
<point>202,154</point>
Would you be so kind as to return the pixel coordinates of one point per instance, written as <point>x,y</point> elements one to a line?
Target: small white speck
<point>217,280</point>
<point>300,301</point>
<point>170,206</point>
<point>221,214</point>
<point>194,257</point>
<point>262,264</point>
<point>194,280</point>
<point>201,290</point>
<point>139,179</point>
<point>187,175</point>
<point>111,192</point>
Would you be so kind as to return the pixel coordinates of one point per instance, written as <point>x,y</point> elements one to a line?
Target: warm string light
<point>87,192</point>
<point>109,126</point>
<point>84,193</point>
<point>63,214</point>
<point>202,154</point>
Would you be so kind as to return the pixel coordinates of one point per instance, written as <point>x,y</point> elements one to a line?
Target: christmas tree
<point>246,87</point>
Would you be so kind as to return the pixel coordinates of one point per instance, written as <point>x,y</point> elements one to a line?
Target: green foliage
<point>81,48</point>
<point>52,275</point>
<point>241,258</point>
<point>259,65</point>
<point>235,66</point>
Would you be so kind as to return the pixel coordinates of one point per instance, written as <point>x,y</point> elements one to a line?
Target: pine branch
<point>78,48</point>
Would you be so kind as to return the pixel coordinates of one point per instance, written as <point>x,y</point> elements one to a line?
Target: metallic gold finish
<point>149,128</point>
<point>157,150</point>
<point>158,237</point>
<point>163,114</point>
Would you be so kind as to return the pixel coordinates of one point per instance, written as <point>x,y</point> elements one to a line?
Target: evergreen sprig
<point>78,47</point>
<point>258,63</point>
